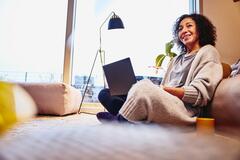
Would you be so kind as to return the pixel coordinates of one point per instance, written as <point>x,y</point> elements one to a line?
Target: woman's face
<point>188,35</point>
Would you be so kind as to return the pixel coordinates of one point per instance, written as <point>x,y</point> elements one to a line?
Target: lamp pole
<point>100,51</point>
<point>114,24</point>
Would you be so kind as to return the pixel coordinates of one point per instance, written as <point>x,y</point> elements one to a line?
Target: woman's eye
<point>180,28</point>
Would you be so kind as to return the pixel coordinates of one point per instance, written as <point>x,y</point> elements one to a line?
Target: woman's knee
<point>103,94</point>
<point>141,87</point>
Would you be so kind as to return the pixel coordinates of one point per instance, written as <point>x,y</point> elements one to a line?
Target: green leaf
<point>168,47</point>
<point>172,54</point>
<point>159,60</point>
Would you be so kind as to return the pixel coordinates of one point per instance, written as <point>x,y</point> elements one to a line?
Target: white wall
<point>225,15</point>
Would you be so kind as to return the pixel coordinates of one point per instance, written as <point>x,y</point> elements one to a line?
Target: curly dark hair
<point>205,29</point>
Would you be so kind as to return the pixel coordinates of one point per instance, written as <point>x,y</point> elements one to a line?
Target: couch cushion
<point>54,98</point>
<point>226,105</point>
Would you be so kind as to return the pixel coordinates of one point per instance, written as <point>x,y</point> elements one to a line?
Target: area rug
<point>75,137</point>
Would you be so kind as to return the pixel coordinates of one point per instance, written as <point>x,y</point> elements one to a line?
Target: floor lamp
<point>114,23</point>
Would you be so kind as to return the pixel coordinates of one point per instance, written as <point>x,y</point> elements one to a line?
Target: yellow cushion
<point>15,105</point>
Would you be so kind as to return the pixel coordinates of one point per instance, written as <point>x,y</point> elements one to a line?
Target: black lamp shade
<point>115,22</point>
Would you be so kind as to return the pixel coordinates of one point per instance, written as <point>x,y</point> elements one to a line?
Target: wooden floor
<point>92,108</point>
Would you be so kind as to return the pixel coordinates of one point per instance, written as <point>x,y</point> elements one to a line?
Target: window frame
<point>194,7</point>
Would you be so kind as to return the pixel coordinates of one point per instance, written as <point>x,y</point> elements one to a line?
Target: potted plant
<point>168,53</point>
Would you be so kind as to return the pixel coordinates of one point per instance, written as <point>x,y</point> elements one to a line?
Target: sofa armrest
<point>225,107</point>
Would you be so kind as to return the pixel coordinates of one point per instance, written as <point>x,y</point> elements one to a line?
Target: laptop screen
<point>120,76</point>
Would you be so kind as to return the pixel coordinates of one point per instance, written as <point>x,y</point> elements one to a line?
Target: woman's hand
<point>179,92</point>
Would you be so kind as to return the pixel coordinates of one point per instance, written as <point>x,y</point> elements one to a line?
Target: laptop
<point>120,76</point>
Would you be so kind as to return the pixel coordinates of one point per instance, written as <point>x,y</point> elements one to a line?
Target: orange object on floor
<point>205,126</point>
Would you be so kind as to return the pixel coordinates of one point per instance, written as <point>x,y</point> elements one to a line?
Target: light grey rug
<point>75,138</point>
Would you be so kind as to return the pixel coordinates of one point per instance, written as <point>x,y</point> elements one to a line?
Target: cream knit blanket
<point>149,102</point>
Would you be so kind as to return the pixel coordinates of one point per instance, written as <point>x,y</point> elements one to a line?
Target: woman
<point>188,85</point>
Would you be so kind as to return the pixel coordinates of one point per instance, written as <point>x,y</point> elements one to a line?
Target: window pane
<point>148,26</point>
<point>32,40</point>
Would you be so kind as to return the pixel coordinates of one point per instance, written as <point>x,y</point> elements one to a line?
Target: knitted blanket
<point>147,101</point>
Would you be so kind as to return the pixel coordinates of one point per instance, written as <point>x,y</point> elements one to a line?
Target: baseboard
<point>91,108</point>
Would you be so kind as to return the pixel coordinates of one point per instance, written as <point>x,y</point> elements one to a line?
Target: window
<point>148,26</point>
<point>32,40</point>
